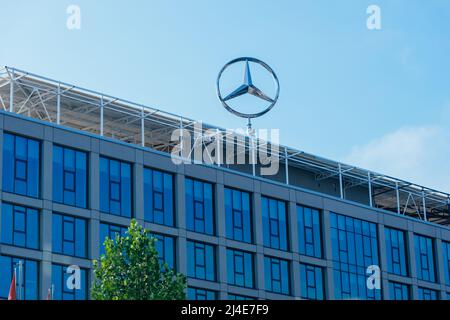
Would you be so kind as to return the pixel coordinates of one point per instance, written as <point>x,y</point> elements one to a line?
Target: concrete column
<point>94,236</point>
<point>292,226</point>
<point>94,204</point>
<point>440,269</point>
<point>46,214</point>
<point>46,265</point>
<point>94,180</point>
<point>45,277</point>
<point>138,192</point>
<point>1,152</point>
<point>181,245</point>
<point>180,201</point>
<point>257,219</point>
<point>328,255</point>
<point>259,242</point>
<point>412,264</point>
<point>293,239</point>
<point>295,279</point>
<point>383,262</point>
<point>219,209</point>
<point>47,170</point>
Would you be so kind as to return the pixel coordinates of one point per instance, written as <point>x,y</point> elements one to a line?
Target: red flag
<point>12,288</point>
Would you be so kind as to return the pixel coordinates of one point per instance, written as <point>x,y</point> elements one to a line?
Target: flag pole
<point>15,277</point>
<point>20,279</point>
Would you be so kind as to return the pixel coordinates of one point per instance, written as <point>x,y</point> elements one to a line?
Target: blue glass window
<point>158,197</point>
<point>396,251</point>
<point>200,294</point>
<point>354,248</point>
<point>21,165</point>
<point>424,258</point>
<point>61,281</point>
<point>311,282</point>
<point>238,215</point>
<point>115,187</point>
<point>398,291</point>
<point>238,297</point>
<point>427,294</point>
<point>276,275</point>
<point>20,226</point>
<point>446,252</point>
<point>240,268</point>
<point>69,176</point>
<point>274,223</point>
<point>69,235</point>
<point>166,249</point>
<point>30,276</point>
<point>109,231</point>
<point>199,206</point>
<point>201,261</point>
<point>309,234</point>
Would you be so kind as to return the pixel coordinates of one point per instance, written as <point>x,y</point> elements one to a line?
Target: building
<point>77,165</point>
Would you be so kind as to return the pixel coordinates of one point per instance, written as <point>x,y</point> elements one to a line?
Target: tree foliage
<point>130,270</point>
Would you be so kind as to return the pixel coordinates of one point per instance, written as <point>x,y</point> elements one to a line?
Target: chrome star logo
<point>248,88</point>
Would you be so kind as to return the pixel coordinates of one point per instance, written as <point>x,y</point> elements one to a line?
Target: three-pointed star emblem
<point>248,87</point>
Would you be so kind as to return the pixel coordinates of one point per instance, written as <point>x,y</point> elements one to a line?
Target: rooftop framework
<point>67,105</point>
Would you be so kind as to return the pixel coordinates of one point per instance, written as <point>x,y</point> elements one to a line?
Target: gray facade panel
<point>140,158</point>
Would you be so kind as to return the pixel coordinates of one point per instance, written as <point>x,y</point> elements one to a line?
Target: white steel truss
<point>63,104</point>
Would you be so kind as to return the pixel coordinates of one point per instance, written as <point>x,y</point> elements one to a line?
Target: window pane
<point>396,251</point>
<point>354,248</point>
<point>69,235</point>
<point>201,261</point>
<point>277,275</point>
<point>115,187</point>
<point>30,285</point>
<point>424,258</point>
<point>200,294</point>
<point>309,232</point>
<point>446,252</point>
<point>199,206</point>
<point>20,226</point>
<point>311,282</point>
<point>274,223</point>
<point>21,165</point>
<point>65,287</point>
<point>240,268</point>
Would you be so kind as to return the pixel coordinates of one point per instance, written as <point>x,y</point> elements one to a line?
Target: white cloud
<point>417,154</point>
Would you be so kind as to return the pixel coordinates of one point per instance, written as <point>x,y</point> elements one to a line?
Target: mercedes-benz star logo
<point>248,88</point>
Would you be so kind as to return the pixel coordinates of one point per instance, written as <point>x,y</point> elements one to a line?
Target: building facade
<point>235,235</point>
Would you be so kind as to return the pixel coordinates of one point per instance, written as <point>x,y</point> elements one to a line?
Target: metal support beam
<point>253,155</point>
<point>142,128</point>
<point>424,206</point>
<point>397,196</point>
<point>341,187</point>
<point>58,105</point>
<point>181,138</point>
<point>369,182</point>
<point>218,146</point>
<point>11,92</point>
<point>286,165</point>
<point>101,115</point>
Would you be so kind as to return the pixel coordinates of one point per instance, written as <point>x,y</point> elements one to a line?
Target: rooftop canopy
<point>67,105</point>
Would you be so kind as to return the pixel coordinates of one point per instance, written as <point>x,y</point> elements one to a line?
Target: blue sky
<point>379,99</point>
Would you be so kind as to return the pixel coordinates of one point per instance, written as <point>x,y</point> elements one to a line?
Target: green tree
<point>130,270</point>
